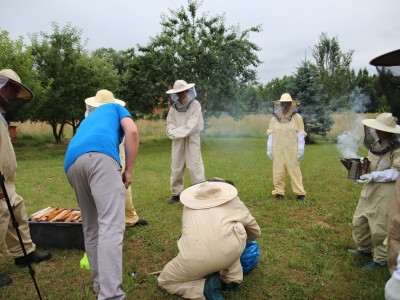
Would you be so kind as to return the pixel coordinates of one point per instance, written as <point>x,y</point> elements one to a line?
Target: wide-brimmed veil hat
<point>11,76</point>
<point>286,98</point>
<point>180,86</point>
<point>103,97</point>
<point>383,122</point>
<point>208,194</point>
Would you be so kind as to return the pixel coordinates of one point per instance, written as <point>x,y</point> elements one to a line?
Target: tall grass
<point>224,126</point>
<point>303,245</point>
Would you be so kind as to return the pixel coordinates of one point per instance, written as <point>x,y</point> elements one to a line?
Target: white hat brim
<point>92,102</point>
<point>373,123</point>
<point>24,93</point>
<point>174,91</point>
<point>189,199</point>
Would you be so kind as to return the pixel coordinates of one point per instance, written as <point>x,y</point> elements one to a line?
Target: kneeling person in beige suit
<point>215,228</point>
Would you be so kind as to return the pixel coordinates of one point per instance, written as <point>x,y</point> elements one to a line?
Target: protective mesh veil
<point>370,137</point>
<point>389,77</point>
<point>277,112</point>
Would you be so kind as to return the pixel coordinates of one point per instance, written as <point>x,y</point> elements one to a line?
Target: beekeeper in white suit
<point>285,146</point>
<point>184,124</point>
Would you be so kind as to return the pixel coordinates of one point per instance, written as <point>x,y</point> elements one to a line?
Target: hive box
<point>57,234</point>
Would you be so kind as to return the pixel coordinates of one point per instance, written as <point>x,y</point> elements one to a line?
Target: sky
<point>290,28</point>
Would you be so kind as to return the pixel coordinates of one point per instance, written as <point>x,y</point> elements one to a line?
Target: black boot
<point>33,257</point>
<point>174,199</point>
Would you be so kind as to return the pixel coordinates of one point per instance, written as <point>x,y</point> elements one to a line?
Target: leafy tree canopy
<point>201,49</point>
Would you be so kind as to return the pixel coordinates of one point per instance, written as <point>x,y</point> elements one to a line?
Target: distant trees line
<point>221,60</point>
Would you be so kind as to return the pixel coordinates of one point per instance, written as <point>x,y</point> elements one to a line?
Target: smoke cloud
<point>349,141</point>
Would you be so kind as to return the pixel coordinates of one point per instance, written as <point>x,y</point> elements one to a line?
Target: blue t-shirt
<point>100,132</point>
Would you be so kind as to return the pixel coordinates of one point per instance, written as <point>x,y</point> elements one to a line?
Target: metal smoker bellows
<point>355,166</point>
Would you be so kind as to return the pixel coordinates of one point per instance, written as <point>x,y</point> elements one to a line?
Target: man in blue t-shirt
<point>93,169</point>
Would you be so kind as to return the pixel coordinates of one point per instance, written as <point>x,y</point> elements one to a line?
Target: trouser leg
<point>278,176</point>
<point>131,216</point>
<point>378,226</point>
<point>11,238</point>
<point>194,161</point>
<point>296,179</point>
<point>97,181</point>
<point>177,166</point>
<point>360,228</point>
<point>175,279</point>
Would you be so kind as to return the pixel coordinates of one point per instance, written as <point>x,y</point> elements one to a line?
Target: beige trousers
<point>8,235</point>
<point>131,216</point>
<point>370,221</point>
<point>197,258</point>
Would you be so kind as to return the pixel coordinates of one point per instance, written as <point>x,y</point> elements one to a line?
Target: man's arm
<point>131,148</point>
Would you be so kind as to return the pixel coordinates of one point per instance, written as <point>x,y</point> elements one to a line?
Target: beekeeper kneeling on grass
<point>215,228</point>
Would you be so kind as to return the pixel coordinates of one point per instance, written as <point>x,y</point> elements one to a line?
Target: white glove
<point>366,178</point>
<point>269,146</point>
<point>169,134</point>
<point>300,145</point>
<point>392,289</point>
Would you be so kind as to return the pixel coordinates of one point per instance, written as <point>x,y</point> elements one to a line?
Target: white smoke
<point>348,142</point>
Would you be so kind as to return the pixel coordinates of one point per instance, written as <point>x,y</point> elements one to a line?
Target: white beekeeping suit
<point>184,124</point>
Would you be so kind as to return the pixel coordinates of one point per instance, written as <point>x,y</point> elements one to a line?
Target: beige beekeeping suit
<point>393,245</point>
<point>8,235</point>
<point>285,137</point>
<point>212,240</point>
<point>184,128</point>
<point>370,218</point>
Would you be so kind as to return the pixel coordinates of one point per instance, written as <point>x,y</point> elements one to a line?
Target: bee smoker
<point>355,167</point>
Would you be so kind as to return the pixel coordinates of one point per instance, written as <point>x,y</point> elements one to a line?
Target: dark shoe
<point>301,198</point>
<point>279,197</point>
<point>174,199</point>
<point>373,265</point>
<point>212,288</point>
<point>33,257</point>
<point>358,252</point>
<point>140,222</point>
<point>4,281</point>
<point>229,286</point>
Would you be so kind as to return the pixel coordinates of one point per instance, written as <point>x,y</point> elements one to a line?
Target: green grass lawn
<point>303,245</point>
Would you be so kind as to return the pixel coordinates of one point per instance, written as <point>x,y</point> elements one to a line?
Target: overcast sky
<point>290,27</point>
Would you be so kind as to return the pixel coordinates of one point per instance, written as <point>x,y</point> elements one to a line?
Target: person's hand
<point>170,135</point>
<point>366,178</point>
<point>127,178</point>
<point>392,289</point>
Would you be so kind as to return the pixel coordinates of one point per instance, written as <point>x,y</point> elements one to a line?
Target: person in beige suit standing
<point>215,228</point>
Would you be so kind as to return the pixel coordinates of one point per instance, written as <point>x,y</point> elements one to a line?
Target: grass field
<point>303,245</point>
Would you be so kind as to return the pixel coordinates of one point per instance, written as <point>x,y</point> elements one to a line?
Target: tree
<point>306,89</point>
<point>220,60</point>
<point>115,58</point>
<point>371,88</point>
<point>17,56</point>
<point>333,68</point>
<point>274,89</point>
<point>68,75</point>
